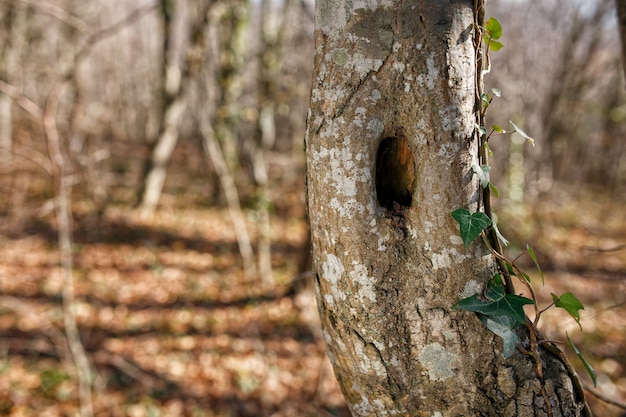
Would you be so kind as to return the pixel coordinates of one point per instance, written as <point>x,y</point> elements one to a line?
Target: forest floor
<point>173,328</point>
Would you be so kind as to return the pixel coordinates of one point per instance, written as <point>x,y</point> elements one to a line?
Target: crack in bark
<point>355,88</point>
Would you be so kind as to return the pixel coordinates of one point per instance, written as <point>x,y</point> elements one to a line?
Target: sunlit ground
<point>172,326</point>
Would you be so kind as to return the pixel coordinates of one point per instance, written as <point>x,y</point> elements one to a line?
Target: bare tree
<point>12,41</point>
<point>391,140</point>
<point>621,12</point>
<point>61,168</point>
<point>175,41</point>
<point>205,117</point>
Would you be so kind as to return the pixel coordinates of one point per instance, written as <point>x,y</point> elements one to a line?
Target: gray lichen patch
<point>438,361</point>
<point>340,56</point>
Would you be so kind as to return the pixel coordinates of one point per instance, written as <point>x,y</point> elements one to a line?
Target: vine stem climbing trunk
<point>392,135</point>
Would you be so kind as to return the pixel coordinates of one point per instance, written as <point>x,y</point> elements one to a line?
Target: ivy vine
<point>497,306</point>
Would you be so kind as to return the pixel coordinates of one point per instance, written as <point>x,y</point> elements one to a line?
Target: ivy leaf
<point>496,303</point>
<point>532,255</point>
<point>485,99</point>
<point>498,129</point>
<point>569,303</point>
<point>500,312</point>
<point>501,238</point>
<point>522,133</point>
<point>493,28</point>
<point>495,45</point>
<point>470,225</point>
<point>588,368</point>
<point>496,92</point>
<point>494,190</point>
<point>500,326</point>
<point>483,174</point>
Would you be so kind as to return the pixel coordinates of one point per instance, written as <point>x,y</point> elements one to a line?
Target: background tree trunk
<point>395,85</point>
<point>175,42</point>
<point>13,20</point>
<point>621,14</point>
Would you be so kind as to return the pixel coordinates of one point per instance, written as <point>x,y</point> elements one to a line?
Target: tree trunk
<point>175,42</point>
<point>13,23</point>
<point>621,14</point>
<point>391,139</point>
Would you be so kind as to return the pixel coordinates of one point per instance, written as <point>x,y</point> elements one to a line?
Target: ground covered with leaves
<point>168,319</point>
<point>173,328</point>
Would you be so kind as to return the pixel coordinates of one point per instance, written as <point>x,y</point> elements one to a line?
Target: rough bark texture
<point>389,267</point>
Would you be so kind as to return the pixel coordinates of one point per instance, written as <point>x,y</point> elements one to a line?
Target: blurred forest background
<point>153,240</point>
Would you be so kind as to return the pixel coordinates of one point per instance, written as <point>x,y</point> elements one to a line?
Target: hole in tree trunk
<point>395,173</point>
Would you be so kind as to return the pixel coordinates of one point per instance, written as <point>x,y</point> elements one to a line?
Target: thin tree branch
<point>56,12</point>
<point>62,173</point>
<point>604,398</point>
<point>111,30</point>
<point>21,100</point>
<point>613,249</point>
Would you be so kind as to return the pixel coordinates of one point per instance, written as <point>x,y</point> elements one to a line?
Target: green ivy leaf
<point>569,303</point>
<point>532,255</point>
<point>522,133</point>
<point>483,174</point>
<point>500,312</point>
<point>495,45</point>
<point>484,97</point>
<point>470,225</point>
<point>496,92</point>
<point>588,367</point>
<point>497,302</point>
<point>498,129</point>
<point>501,327</point>
<point>494,190</point>
<point>493,28</point>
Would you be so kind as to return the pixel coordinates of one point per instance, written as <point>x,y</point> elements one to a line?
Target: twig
<point>133,371</point>
<point>58,13</point>
<point>37,158</point>
<point>47,328</point>
<point>604,397</point>
<point>21,100</point>
<point>110,31</point>
<point>613,249</point>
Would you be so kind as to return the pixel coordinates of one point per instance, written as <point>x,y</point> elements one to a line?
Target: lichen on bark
<point>388,275</point>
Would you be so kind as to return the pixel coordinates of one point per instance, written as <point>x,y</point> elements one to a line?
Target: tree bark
<point>395,85</point>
